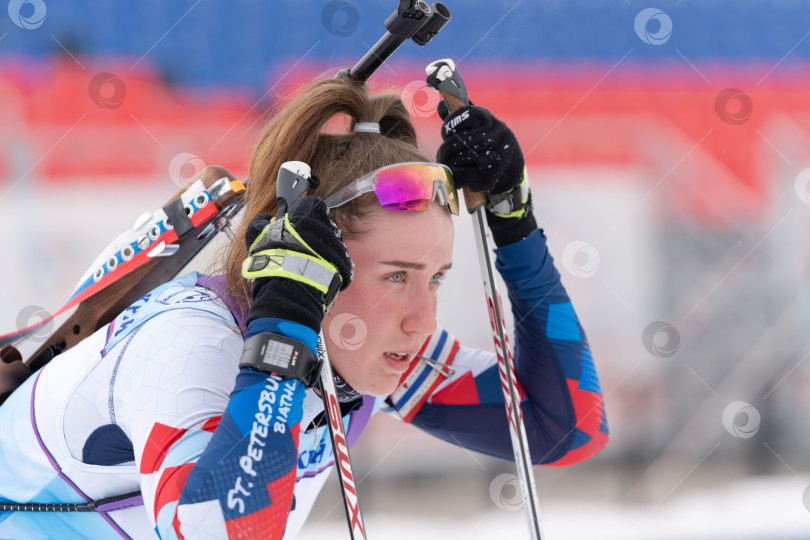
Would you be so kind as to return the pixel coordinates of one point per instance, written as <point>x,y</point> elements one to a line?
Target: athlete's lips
<point>406,351</point>
<point>399,363</point>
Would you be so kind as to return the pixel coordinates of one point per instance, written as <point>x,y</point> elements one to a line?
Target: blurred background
<point>668,146</point>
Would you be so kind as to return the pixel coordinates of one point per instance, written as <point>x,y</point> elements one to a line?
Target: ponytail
<point>294,134</point>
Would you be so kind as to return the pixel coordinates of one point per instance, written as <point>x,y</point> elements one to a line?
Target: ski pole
<point>445,77</point>
<point>413,19</point>
<point>340,445</point>
<point>294,178</point>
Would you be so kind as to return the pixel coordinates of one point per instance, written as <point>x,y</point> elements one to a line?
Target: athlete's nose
<point>420,313</point>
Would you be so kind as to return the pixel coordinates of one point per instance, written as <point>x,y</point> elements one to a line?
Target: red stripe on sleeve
<point>588,408</point>
<point>462,391</point>
<point>176,525</point>
<point>170,485</point>
<point>270,521</point>
<point>439,380</point>
<point>160,439</point>
<point>295,431</point>
<point>415,363</point>
<point>211,424</point>
<point>582,453</point>
<point>522,395</point>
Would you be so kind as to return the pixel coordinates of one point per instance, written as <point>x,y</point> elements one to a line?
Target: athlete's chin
<point>382,385</point>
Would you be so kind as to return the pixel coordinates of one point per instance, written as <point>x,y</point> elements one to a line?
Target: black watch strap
<point>286,357</point>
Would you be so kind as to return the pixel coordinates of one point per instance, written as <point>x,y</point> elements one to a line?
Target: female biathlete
<point>157,402</point>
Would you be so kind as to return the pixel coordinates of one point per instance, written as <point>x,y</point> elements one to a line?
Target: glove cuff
<point>514,203</point>
<point>286,299</point>
<point>508,230</point>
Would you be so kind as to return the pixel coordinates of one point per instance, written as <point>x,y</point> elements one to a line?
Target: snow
<point>757,508</point>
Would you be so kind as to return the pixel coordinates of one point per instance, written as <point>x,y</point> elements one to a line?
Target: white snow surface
<point>757,508</point>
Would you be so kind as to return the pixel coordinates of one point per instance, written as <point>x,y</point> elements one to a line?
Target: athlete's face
<point>382,319</point>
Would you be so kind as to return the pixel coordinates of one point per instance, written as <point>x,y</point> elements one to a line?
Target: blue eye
<point>437,278</point>
<point>398,277</point>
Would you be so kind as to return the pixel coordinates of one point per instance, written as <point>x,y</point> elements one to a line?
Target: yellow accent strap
<point>301,267</point>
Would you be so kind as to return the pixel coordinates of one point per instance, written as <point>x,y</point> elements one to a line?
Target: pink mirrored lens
<point>409,187</point>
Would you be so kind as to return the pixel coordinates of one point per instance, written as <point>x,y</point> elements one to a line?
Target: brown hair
<point>294,134</point>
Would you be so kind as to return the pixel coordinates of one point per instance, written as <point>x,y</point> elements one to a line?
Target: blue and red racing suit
<point>149,403</point>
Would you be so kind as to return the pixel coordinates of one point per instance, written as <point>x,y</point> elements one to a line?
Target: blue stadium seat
<point>241,41</point>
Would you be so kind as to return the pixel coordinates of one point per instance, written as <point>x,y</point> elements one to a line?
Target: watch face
<point>279,355</point>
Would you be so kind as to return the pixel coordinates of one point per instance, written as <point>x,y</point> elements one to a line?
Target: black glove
<point>482,151</point>
<point>484,155</point>
<point>287,285</point>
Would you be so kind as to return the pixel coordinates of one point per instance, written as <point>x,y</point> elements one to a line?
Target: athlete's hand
<point>482,151</point>
<point>484,155</point>
<point>298,268</point>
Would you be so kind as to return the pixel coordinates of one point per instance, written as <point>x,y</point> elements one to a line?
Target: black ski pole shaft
<point>444,76</point>
<point>413,19</point>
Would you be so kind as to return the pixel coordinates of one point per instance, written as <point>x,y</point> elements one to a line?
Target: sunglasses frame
<point>366,184</point>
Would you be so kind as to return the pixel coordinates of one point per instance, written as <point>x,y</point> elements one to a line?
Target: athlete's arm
<point>246,476</point>
<point>212,456</point>
<point>561,399</point>
<point>242,484</point>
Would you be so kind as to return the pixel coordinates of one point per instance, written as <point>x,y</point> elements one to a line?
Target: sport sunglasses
<point>403,187</point>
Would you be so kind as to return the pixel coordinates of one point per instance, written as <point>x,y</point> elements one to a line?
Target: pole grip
<point>473,199</point>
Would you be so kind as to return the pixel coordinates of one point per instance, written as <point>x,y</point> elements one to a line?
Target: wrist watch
<point>286,357</point>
